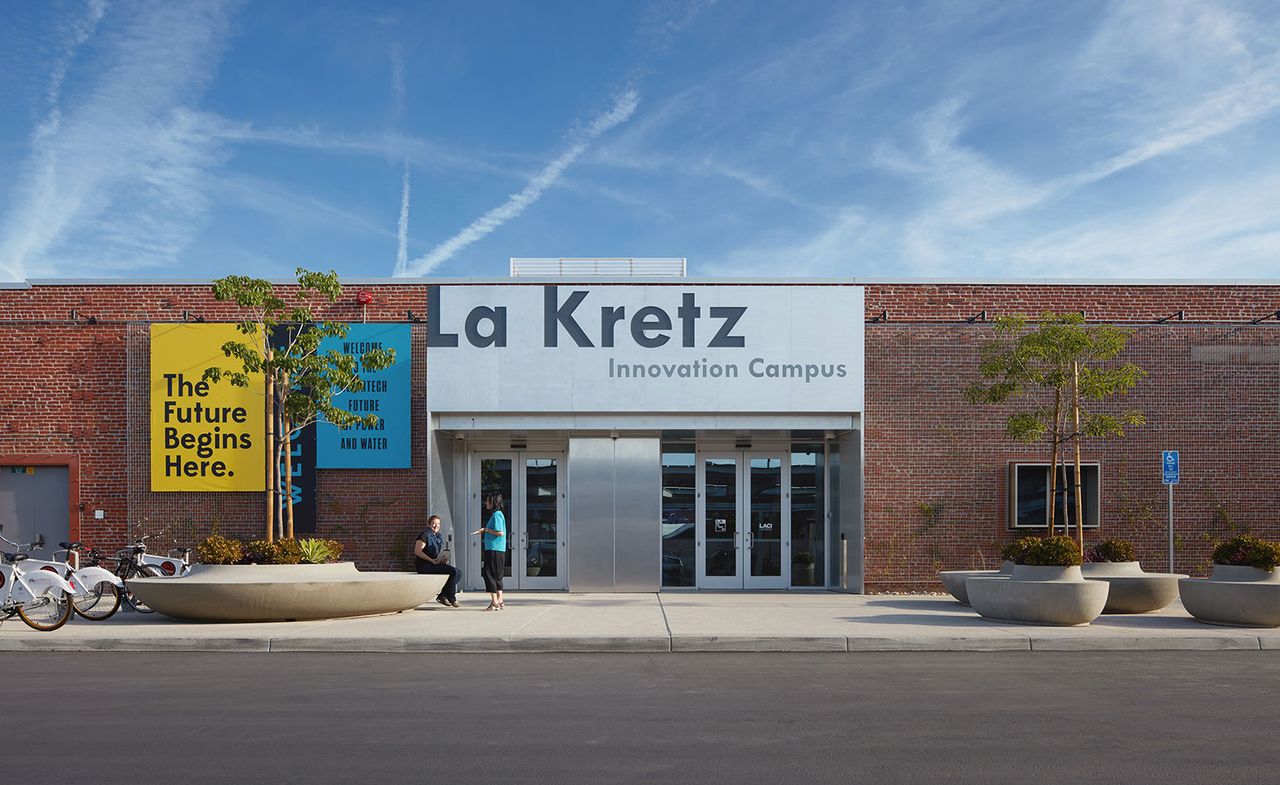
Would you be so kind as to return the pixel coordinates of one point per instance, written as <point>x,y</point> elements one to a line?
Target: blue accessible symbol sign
<point>1169,466</point>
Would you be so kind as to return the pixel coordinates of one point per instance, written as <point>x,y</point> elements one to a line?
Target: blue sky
<point>873,139</point>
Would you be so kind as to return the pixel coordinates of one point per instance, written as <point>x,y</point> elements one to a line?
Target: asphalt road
<point>1177,717</point>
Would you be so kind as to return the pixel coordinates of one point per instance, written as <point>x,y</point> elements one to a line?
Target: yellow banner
<point>204,436</point>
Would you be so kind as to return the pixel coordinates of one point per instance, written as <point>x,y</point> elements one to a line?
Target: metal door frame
<point>517,531</point>
<point>560,581</point>
<point>742,521</point>
<point>783,579</point>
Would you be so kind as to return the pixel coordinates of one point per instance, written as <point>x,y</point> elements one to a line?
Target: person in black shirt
<point>433,559</point>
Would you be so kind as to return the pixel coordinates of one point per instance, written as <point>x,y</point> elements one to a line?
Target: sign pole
<point>1170,473</point>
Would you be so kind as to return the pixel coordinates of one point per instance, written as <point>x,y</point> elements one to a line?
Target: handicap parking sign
<point>1169,467</point>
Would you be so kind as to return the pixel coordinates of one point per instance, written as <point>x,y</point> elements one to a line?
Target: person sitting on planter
<point>433,559</point>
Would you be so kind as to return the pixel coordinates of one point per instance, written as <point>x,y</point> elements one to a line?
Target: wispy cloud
<point>82,29</point>
<point>402,238</point>
<point>397,80</point>
<point>114,181</point>
<point>987,217</point>
<point>288,205</point>
<point>623,107</point>
<point>1227,229</point>
<point>389,145</point>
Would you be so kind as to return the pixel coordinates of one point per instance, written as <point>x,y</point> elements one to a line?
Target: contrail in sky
<point>622,109</point>
<point>402,247</point>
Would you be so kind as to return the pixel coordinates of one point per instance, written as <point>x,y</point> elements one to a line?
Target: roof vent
<point>588,268</point>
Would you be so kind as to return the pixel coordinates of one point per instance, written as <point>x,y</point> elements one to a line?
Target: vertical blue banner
<point>302,459</point>
<point>386,393</point>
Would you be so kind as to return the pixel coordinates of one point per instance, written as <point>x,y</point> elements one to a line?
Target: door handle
<point>737,540</point>
<point>749,539</point>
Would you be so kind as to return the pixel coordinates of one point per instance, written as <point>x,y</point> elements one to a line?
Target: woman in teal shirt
<point>493,550</point>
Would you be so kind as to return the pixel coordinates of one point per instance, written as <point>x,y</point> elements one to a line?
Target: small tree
<point>300,380</point>
<point>1064,356</point>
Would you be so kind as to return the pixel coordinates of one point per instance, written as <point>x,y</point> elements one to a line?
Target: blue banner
<point>386,393</point>
<point>302,461</point>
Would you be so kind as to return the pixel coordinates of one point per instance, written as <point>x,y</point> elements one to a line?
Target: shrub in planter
<point>1246,550</point>
<point>1013,551</point>
<point>319,551</point>
<point>286,551</point>
<point>1244,589</point>
<point>803,557</point>
<point>216,549</point>
<point>1056,551</point>
<point>1112,549</point>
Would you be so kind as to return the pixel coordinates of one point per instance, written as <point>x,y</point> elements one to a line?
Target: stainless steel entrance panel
<point>615,542</point>
<point>591,515</point>
<point>637,550</point>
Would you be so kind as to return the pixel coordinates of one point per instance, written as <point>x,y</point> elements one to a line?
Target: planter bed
<point>954,580</point>
<point>1234,597</point>
<point>284,592</point>
<point>1055,596</point>
<point>1132,590</point>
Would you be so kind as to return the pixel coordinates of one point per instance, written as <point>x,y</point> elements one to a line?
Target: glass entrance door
<point>532,486</point>
<point>743,514</point>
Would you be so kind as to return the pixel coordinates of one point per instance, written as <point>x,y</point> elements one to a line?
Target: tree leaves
<point>1022,360</point>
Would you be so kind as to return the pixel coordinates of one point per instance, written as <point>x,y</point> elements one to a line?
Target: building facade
<point>672,434</point>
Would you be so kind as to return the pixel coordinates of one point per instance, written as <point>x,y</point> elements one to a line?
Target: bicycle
<point>41,598</point>
<point>132,562</point>
<point>95,591</point>
<point>170,566</point>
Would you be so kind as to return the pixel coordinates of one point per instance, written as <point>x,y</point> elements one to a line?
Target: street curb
<point>972,644</point>
<point>1148,643</point>
<point>642,645</point>
<point>473,644</point>
<point>760,643</point>
<point>136,644</point>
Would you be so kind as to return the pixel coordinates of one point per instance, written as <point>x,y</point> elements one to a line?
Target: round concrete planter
<point>953,580</point>
<point>284,592</point>
<point>1234,596</point>
<point>1132,590</point>
<point>1057,596</point>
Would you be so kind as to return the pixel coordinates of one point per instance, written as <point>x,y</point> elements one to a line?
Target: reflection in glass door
<point>541,539</point>
<point>720,551</point>
<point>531,487</point>
<point>743,533</point>
<point>764,537</point>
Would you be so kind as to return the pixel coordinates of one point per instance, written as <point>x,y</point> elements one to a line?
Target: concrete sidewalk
<point>669,622</point>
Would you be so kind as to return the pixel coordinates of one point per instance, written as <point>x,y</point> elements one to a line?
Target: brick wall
<point>1213,393</point>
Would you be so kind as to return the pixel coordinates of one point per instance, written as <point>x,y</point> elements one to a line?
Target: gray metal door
<point>34,500</point>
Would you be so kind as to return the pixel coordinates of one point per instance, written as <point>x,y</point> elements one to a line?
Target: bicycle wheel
<point>146,571</point>
<point>100,603</point>
<point>47,612</point>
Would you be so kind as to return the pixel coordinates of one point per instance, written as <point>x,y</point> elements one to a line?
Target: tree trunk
<point>288,470</point>
<point>273,484</point>
<point>280,494</point>
<point>1055,433</point>
<point>1075,413</point>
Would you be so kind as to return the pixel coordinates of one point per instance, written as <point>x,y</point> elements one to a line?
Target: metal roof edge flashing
<point>691,281</point>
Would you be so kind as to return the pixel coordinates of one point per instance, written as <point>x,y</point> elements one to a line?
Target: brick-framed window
<point>1029,494</point>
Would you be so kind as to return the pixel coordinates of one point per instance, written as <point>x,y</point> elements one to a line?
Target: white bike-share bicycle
<point>41,598</point>
<point>95,592</point>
